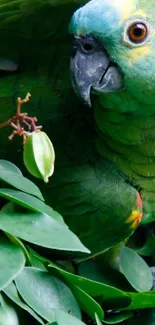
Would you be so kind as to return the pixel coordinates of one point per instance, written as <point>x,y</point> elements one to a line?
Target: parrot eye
<point>137,32</point>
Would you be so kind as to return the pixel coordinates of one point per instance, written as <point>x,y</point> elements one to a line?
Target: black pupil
<point>138,31</point>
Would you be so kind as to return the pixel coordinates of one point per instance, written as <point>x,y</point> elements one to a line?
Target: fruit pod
<point>39,155</point>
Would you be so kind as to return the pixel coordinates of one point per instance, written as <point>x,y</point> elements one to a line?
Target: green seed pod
<point>39,155</point>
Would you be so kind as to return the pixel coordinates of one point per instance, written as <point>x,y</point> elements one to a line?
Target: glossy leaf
<point>118,318</point>
<point>12,293</point>
<point>87,303</point>
<point>35,261</point>
<point>7,208</point>
<point>8,315</point>
<point>141,300</point>
<point>21,183</point>
<point>12,262</point>
<point>29,202</point>
<point>46,294</point>
<point>143,317</point>
<point>41,230</point>
<point>91,271</point>
<point>19,243</point>
<point>135,270</point>
<point>6,165</point>
<point>97,271</point>
<point>65,319</point>
<point>148,249</point>
<point>98,322</point>
<point>112,297</point>
<point>15,208</point>
<point>148,218</point>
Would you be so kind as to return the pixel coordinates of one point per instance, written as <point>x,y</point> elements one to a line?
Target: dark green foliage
<point>53,288</point>
<point>45,277</point>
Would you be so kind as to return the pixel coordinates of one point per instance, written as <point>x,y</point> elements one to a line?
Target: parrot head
<point>114,49</point>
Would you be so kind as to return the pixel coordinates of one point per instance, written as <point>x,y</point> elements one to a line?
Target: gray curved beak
<point>92,70</point>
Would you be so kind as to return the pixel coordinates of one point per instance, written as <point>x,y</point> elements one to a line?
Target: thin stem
<point>22,101</point>
<point>4,124</point>
<point>20,120</point>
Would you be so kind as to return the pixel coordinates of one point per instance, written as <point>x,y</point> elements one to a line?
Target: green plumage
<point>100,162</point>
<point>125,120</point>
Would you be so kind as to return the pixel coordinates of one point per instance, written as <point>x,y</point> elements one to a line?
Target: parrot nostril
<point>87,47</point>
<point>88,44</point>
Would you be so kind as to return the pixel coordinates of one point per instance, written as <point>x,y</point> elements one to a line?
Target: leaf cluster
<point>47,275</point>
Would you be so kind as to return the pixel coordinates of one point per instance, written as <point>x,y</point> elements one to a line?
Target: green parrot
<point>113,58</point>
<point>104,171</point>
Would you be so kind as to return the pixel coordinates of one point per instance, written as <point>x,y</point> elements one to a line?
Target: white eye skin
<point>136,33</point>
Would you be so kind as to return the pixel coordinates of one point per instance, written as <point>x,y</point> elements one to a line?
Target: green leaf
<point>65,319</point>
<point>144,317</point>
<point>20,182</point>
<point>148,218</point>
<point>8,207</point>
<point>46,294</point>
<point>8,315</point>
<point>87,303</point>
<point>12,207</point>
<point>96,270</point>
<point>29,202</point>
<point>35,261</point>
<point>19,243</point>
<point>118,318</point>
<point>98,322</point>
<point>42,230</point>
<point>148,249</point>
<point>112,297</point>
<point>141,300</point>
<point>12,293</point>
<point>91,271</point>
<point>135,270</point>
<point>6,165</point>
<point>12,261</point>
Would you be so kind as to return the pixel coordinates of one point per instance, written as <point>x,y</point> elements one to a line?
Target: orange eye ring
<point>137,32</point>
